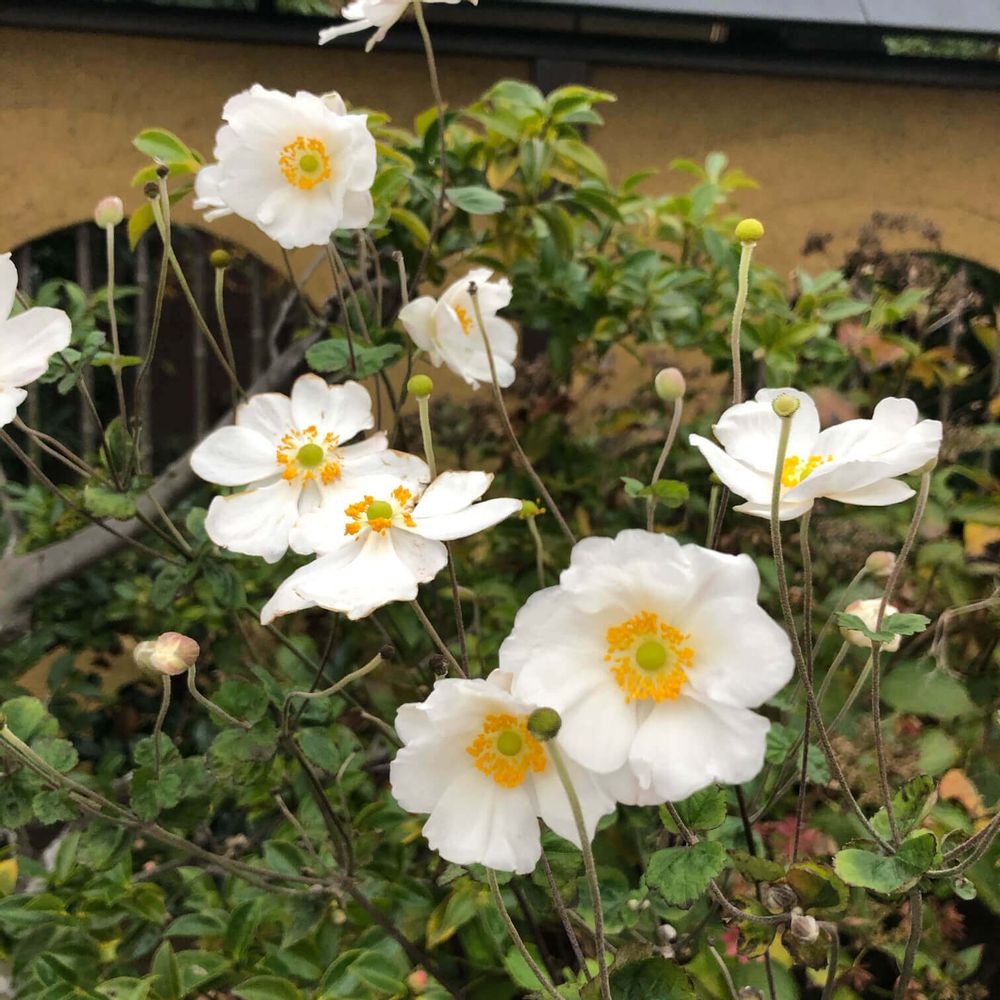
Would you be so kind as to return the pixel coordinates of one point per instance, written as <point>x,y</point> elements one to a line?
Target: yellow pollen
<point>648,658</point>
<point>465,319</point>
<point>379,514</point>
<point>505,750</point>
<point>305,454</point>
<point>795,469</point>
<point>304,162</point>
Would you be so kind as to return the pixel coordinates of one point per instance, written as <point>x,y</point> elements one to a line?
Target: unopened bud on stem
<point>669,384</point>
<point>109,212</point>
<point>220,259</point>
<point>420,386</point>
<point>544,723</point>
<point>880,564</point>
<point>171,654</point>
<point>804,928</point>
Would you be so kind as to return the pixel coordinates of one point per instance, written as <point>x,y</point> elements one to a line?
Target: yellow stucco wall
<point>827,153</point>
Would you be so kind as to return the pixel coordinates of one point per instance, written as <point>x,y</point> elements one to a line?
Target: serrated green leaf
<point>681,874</point>
<point>888,875</point>
<point>705,810</point>
<point>910,804</point>
<point>755,868</point>
<point>917,686</point>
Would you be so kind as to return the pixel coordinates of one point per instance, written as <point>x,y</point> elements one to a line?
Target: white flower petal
<point>422,772</point>
<point>742,656</point>
<point>344,410</point>
<point>744,480</point>
<point>467,522</point>
<point>8,285</point>
<point>476,821</point>
<point>880,494</point>
<point>685,745</point>
<point>417,318</point>
<point>255,522</point>
<point>268,413</point>
<point>424,557</point>
<point>553,805</point>
<point>10,399</point>
<point>452,492</point>
<point>233,456</point>
<point>28,341</point>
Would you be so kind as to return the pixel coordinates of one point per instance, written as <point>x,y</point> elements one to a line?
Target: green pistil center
<point>379,510</point>
<point>509,743</point>
<point>309,163</point>
<point>310,455</point>
<point>651,655</point>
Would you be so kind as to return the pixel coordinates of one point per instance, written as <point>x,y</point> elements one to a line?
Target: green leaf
<point>818,887</point>
<point>27,718</point>
<point>754,868</point>
<point>917,686</point>
<point>167,972</point>
<point>267,988</point>
<point>103,502</point>
<point>682,874</point>
<point>910,804</point>
<point>705,810</point>
<point>412,223</point>
<point>225,583</point>
<point>669,492</point>
<point>647,979</point>
<point>892,625</point>
<point>888,875</point>
<point>242,700</point>
<point>161,144</point>
<point>53,806</point>
<point>475,200</point>
<point>334,355</point>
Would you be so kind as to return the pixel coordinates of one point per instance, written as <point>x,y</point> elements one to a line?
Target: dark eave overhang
<point>587,33</point>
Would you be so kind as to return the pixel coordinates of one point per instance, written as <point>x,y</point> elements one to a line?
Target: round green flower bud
<point>420,386</point>
<point>785,404</point>
<point>109,212</point>
<point>669,384</point>
<point>220,259</point>
<point>749,231</point>
<point>544,723</point>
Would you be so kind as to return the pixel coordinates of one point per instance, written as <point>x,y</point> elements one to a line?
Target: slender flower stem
<point>726,975</point>
<point>986,833</point>
<point>210,705</point>
<point>897,570</point>
<point>536,536</point>
<point>199,319</point>
<point>456,607</point>
<point>800,662</point>
<point>425,35</point>
<point>589,866</point>
<point>742,286</point>
<point>675,422</point>
<point>807,645</point>
<point>515,444</point>
<point>109,232</point>
<point>559,903</point>
<point>373,664</point>
<point>160,718</point>
<point>519,944</point>
<point>437,640</point>
<point>220,314</point>
<point>912,943</point>
<point>147,361</point>
<point>831,966</point>
<point>713,508</point>
<point>423,407</point>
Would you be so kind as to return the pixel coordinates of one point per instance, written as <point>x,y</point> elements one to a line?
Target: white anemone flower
<point>299,167</point>
<point>361,15</point>
<point>855,462</point>
<point>447,329</point>
<point>291,453</point>
<point>27,341</point>
<point>380,542</point>
<point>654,654</point>
<point>470,762</point>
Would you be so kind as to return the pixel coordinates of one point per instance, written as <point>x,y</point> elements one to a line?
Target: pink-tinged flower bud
<point>880,564</point>
<point>804,928</point>
<point>669,384</point>
<point>171,654</point>
<point>109,212</point>
<point>867,611</point>
<point>416,982</point>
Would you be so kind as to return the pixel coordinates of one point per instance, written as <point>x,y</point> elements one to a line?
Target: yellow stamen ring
<point>303,453</point>
<point>505,750</point>
<point>648,658</point>
<point>465,319</point>
<point>304,162</point>
<point>379,515</point>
